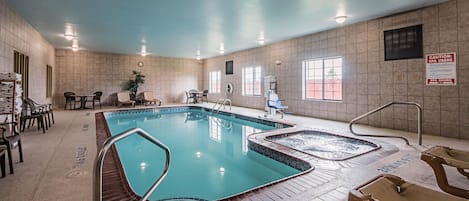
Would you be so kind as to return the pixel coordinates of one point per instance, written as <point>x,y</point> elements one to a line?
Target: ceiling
<point>178,28</point>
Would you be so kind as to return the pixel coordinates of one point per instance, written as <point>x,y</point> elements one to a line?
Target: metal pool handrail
<point>222,102</point>
<point>98,168</point>
<point>419,122</point>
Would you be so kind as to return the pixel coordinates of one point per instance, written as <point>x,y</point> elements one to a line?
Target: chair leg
<point>44,121</point>
<point>20,150</point>
<point>20,125</point>
<point>48,118</point>
<point>31,122</point>
<point>52,114</point>
<point>2,164</point>
<point>10,159</point>
<point>100,105</point>
<point>40,121</point>
<point>93,105</point>
<point>65,108</point>
<point>23,124</point>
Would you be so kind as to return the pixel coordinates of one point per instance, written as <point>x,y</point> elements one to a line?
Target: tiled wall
<point>17,34</point>
<point>369,81</point>
<point>85,72</point>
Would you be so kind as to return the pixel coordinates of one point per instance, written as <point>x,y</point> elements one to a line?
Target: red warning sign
<point>441,69</point>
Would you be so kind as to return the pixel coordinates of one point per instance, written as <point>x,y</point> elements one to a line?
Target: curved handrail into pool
<point>221,102</point>
<point>98,168</point>
<point>419,121</point>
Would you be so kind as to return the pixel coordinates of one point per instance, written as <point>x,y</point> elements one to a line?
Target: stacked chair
<point>33,111</point>
<point>10,139</point>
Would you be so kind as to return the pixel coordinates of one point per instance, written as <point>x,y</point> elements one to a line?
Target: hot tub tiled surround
<point>324,145</point>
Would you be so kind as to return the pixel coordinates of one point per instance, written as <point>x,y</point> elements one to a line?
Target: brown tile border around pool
<point>116,186</point>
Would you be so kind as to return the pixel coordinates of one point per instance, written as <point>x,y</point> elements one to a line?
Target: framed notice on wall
<point>441,69</point>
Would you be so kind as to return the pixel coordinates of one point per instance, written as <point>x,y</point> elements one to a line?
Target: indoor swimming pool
<point>210,158</point>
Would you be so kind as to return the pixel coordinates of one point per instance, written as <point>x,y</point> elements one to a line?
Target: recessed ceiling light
<point>197,56</point>
<point>340,19</point>
<point>144,52</point>
<point>260,41</point>
<point>222,48</point>
<point>69,32</point>
<point>75,45</point>
<point>261,38</point>
<point>69,36</point>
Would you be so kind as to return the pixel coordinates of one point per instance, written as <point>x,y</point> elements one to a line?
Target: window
<point>49,81</point>
<point>252,81</point>
<point>214,81</point>
<point>322,79</point>
<point>21,66</point>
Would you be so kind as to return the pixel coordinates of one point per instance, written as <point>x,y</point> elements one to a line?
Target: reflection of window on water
<point>248,130</point>
<point>214,129</point>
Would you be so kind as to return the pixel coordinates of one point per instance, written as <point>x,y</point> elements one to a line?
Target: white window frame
<point>214,79</point>
<point>256,75</point>
<point>214,129</point>
<point>305,67</point>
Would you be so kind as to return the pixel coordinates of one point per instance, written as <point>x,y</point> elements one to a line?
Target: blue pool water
<point>210,158</point>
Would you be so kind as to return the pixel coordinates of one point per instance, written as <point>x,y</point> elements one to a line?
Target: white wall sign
<point>441,69</point>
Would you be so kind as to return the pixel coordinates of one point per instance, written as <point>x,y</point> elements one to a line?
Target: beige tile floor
<point>58,165</point>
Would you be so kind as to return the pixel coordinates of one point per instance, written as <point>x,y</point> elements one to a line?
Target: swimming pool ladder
<point>419,121</point>
<point>98,168</point>
<point>221,102</point>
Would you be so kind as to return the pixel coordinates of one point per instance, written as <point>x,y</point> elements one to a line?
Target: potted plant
<point>132,85</point>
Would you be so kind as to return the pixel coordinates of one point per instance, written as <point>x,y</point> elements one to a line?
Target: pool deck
<point>58,165</point>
